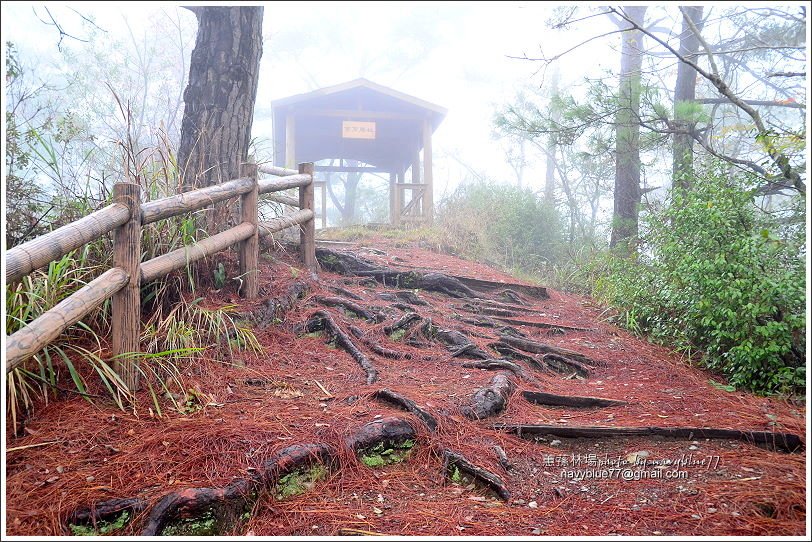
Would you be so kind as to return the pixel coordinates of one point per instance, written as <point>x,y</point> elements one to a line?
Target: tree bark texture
<point>219,98</point>
<point>627,136</point>
<point>685,91</point>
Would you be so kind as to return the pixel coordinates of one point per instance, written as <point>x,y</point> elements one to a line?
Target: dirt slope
<point>306,389</point>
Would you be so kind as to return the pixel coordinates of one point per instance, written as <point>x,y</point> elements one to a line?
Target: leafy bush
<point>504,224</point>
<point>718,275</point>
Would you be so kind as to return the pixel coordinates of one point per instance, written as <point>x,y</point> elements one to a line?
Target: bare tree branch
<point>767,103</point>
<point>787,74</point>
<point>779,158</point>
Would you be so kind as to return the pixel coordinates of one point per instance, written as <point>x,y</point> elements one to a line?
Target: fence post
<point>307,243</point>
<point>249,249</point>
<point>126,308</point>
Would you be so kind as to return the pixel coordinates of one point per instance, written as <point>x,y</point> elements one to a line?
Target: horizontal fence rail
<point>41,251</point>
<point>285,183</point>
<point>36,335</point>
<point>279,198</point>
<point>194,200</point>
<point>286,221</point>
<point>277,171</point>
<point>126,217</point>
<point>177,259</point>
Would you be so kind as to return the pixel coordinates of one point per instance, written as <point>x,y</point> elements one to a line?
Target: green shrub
<point>718,276</point>
<point>504,224</point>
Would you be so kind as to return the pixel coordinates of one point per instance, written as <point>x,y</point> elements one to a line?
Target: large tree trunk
<point>685,91</point>
<point>627,135</point>
<point>219,98</point>
<point>549,173</point>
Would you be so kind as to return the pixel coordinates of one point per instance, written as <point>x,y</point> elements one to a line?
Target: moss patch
<point>397,334</point>
<point>102,527</point>
<point>386,453</point>
<point>460,478</point>
<point>205,525</point>
<point>299,481</point>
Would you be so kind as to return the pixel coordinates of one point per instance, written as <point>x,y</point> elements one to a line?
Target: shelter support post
<point>428,192</point>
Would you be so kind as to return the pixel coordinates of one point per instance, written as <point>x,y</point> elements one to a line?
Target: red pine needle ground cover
<point>96,452</point>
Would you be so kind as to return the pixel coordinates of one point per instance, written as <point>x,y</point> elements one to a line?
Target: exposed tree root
<point>503,458</point>
<point>481,309</point>
<point>223,505</point>
<point>538,292</point>
<point>549,399</point>
<point>495,365</point>
<point>454,462</point>
<point>346,293</point>
<point>490,400</point>
<point>106,511</point>
<point>390,430</point>
<point>565,365</point>
<point>342,262</point>
<point>456,341</point>
<point>404,295</point>
<point>351,306</point>
<point>406,322</point>
<point>348,264</point>
<point>402,306</point>
<point>786,442</point>
<point>322,320</point>
<point>375,347</point>
<point>511,353</point>
<point>392,398</point>
<point>510,296</point>
<point>273,310</point>
<point>292,458</point>
<point>540,348</point>
<point>542,325</point>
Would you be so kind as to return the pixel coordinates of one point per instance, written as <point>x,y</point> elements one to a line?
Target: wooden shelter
<point>367,123</point>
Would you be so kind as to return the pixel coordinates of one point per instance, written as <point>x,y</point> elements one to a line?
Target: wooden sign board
<point>351,129</point>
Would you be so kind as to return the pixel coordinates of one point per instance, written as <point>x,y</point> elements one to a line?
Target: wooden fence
<point>124,217</point>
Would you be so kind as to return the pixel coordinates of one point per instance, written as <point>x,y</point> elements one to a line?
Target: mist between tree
<point>672,188</point>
